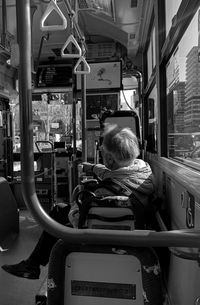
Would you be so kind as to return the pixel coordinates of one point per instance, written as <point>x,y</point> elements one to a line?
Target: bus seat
<point>123,118</point>
<point>9,215</point>
<point>112,213</point>
<point>103,275</point>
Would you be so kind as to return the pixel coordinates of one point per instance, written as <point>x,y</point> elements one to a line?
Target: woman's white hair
<point>121,143</point>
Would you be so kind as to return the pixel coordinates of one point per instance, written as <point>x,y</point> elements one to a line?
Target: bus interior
<point>66,68</point>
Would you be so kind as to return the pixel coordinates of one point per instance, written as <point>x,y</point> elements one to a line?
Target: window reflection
<point>151,54</point>
<point>152,121</point>
<point>11,17</point>
<point>183,96</point>
<point>171,8</point>
<point>1,21</point>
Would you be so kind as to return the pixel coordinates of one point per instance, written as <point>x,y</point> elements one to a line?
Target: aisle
<point>14,290</point>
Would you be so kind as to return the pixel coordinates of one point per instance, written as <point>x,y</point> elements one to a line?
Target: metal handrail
<point>130,238</point>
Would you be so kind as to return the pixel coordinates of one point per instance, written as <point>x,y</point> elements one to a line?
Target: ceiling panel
<point>124,29</point>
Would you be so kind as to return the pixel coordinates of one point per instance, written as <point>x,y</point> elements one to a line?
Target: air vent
<point>134,3</point>
<point>101,50</point>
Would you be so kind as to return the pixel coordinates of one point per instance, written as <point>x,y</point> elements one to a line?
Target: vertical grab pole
<point>25,93</point>
<point>83,106</point>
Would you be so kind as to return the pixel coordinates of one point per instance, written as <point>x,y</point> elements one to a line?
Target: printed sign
<point>103,290</point>
<point>103,75</point>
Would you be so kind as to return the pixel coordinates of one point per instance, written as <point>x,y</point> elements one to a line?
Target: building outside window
<point>183,97</point>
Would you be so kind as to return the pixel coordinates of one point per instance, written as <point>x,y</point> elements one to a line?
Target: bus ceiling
<point>96,22</point>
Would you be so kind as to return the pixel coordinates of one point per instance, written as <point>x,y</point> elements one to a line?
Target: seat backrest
<point>123,118</point>
<point>103,275</point>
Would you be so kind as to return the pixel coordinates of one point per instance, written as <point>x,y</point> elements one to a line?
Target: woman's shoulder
<point>140,164</point>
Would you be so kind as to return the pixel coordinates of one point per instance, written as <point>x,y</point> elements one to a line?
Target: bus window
<point>171,7</point>
<point>152,127</point>
<point>183,91</point>
<point>1,20</point>
<point>180,144</point>
<point>52,120</point>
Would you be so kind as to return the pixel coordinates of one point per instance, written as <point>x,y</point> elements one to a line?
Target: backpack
<point>122,197</point>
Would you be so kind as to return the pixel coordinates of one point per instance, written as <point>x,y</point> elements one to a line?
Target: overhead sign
<point>53,75</point>
<point>103,75</point>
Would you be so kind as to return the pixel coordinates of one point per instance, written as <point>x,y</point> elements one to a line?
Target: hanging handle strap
<point>52,6</point>
<point>71,40</point>
<point>86,69</point>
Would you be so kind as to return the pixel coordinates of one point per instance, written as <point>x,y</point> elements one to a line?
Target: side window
<point>11,17</point>
<point>152,125</point>
<point>171,8</point>
<point>1,22</point>
<point>151,54</point>
<point>183,97</point>
<point>7,23</point>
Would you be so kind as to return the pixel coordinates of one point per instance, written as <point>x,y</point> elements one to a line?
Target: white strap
<point>57,27</point>
<point>86,69</point>
<point>71,40</point>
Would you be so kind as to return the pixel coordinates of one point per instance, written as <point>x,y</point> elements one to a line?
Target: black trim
<point>182,20</point>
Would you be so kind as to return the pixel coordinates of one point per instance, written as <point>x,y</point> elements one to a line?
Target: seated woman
<point>120,150</point>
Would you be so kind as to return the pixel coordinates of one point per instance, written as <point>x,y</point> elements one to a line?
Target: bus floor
<point>15,290</point>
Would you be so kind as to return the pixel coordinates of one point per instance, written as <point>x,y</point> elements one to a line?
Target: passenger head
<point>119,147</point>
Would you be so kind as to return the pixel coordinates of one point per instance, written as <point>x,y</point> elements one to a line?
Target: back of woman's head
<point>121,143</point>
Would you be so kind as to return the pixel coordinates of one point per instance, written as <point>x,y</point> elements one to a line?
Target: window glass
<point>151,54</point>
<point>171,8</point>
<point>96,103</point>
<point>7,23</point>
<point>1,25</point>
<point>183,97</point>
<point>129,97</point>
<point>11,16</point>
<point>149,60</point>
<point>52,121</point>
<point>152,121</point>
<point>154,47</point>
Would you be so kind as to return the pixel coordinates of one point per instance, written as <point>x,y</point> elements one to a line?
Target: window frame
<point>165,46</point>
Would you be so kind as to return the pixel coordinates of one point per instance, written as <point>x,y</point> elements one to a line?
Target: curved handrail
<point>91,236</point>
<point>52,6</point>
